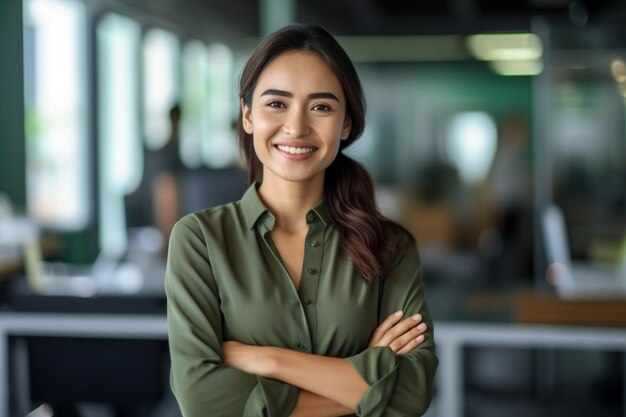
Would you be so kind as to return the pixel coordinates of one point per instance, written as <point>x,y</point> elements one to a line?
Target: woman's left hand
<point>254,360</point>
<point>401,336</point>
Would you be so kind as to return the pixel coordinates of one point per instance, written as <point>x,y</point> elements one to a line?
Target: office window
<point>195,103</point>
<point>581,159</point>
<point>120,146</point>
<point>161,80</point>
<point>220,146</point>
<point>471,144</point>
<point>56,113</point>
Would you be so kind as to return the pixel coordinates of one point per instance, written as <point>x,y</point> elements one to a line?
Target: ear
<point>246,118</point>
<point>346,129</point>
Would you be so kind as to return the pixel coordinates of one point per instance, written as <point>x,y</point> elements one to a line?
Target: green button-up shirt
<point>226,281</point>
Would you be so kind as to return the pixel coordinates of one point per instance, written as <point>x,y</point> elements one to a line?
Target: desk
<point>118,326</point>
<point>451,339</point>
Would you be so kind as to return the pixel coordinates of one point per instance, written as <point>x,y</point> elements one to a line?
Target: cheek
<point>332,145</point>
<point>260,146</point>
<point>264,124</point>
<point>333,134</point>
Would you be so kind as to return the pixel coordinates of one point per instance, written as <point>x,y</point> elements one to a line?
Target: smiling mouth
<point>295,150</point>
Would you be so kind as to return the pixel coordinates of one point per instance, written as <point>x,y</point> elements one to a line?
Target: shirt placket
<point>302,333</point>
<point>311,269</point>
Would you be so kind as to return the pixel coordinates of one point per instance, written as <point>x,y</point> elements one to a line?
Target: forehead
<point>298,71</point>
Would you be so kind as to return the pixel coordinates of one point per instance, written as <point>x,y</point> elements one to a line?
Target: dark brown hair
<point>369,239</point>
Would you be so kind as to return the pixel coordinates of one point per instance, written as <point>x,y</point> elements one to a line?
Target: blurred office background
<point>481,115</point>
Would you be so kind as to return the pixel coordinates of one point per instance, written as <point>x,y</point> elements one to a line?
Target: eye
<point>321,107</point>
<point>276,104</point>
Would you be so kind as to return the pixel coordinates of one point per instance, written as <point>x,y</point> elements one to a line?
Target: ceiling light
<point>517,68</point>
<point>503,47</point>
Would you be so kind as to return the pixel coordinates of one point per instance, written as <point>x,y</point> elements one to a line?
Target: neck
<point>289,201</point>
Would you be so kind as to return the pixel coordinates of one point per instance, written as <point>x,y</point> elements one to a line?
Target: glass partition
<point>56,113</point>
<point>581,100</point>
<point>220,147</point>
<point>195,98</point>
<point>161,81</point>
<point>119,139</point>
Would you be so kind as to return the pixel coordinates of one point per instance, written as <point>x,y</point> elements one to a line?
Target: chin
<point>297,177</point>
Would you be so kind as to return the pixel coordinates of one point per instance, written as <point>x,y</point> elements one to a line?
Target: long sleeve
<point>400,385</point>
<point>202,383</point>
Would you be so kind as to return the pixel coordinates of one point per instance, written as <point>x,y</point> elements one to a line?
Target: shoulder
<point>400,244</point>
<point>209,233</point>
<point>219,220</point>
<point>403,256</point>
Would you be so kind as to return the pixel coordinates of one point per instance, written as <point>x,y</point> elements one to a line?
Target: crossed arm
<point>328,386</point>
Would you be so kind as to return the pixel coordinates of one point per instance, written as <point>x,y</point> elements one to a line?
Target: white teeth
<point>295,151</point>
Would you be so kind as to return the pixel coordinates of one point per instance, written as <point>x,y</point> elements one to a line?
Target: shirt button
<point>315,243</point>
<point>310,217</point>
<point>306,302</point>
<point>311,271</point>
<point>302,346</point>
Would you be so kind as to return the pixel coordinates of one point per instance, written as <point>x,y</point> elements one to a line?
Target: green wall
<point>12,150</point>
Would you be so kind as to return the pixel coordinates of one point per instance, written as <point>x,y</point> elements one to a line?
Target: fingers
<point>404,336</point>
<point>385,326</point>
<point>404,332</point>
<point>401,336</point>
<point>409,340</point>
<point>400,329</point>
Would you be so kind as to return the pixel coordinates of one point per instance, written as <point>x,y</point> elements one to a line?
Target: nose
<point>296,123</point>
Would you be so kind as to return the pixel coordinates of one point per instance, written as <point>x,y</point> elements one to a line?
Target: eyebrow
<point>282,93</point>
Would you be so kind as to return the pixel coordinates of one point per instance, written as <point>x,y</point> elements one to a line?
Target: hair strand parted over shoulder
<point>368,238</point>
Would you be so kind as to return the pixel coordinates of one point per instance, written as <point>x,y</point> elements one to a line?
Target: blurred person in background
<point>165,164</point>
<point>157,200</point>
<point>291,300</point>
<point>509,195</point>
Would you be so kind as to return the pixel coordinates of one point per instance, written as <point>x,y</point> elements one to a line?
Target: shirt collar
<point>322,211</point>
<point>252,206</point>
<point>253,209</point>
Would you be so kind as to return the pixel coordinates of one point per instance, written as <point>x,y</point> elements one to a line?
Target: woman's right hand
<point>401,336</point>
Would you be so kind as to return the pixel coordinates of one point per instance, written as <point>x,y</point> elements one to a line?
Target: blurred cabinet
<point>452,338</point>
<point>118,331</point>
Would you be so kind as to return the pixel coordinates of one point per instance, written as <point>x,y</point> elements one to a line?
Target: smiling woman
<point>291,300</point>
<point>297,113</point>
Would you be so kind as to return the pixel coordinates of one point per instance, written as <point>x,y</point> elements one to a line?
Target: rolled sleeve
<point>202,383</point>
<point>399,385</point>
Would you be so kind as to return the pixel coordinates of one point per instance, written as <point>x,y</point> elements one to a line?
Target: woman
<point>300,299</point>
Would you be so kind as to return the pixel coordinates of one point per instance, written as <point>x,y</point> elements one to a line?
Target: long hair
<point>368,238</point>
